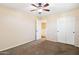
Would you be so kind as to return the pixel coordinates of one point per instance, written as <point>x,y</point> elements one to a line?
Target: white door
<point>61,36</point>
<point>65,30</point>
<point>38,29</point>
<point>70,30</point>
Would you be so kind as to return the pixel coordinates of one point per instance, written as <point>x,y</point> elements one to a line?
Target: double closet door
<point>66,29</point>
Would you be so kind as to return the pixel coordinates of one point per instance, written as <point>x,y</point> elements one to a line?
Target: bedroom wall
<point>51,28</point>
<point>16,28</point>
<point>76,13</point>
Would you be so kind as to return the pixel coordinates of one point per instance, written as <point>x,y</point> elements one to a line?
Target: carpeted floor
<point>42,47</point>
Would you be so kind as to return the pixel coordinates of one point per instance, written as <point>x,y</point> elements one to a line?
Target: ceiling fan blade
<point>33,10</point>
<point>46,5</point>
<point>34,5</point>
<point>46,9</point>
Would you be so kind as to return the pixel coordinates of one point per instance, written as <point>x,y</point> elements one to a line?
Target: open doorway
<point>40,29</point>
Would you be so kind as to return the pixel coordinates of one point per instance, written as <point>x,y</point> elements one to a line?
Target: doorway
<point>40,29</point>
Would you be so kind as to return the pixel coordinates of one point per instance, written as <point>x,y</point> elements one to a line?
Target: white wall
<point>16,28</point>
<point>51,28</point>
<point>76,14</point>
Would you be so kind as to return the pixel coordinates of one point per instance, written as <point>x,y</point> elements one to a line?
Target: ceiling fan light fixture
<point>40,7</point>
<point>40,10</point>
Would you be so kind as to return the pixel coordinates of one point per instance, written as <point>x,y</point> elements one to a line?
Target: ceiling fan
<point>40,7</point>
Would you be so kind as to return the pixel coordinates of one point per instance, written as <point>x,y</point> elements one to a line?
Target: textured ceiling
<point>54,8</point>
